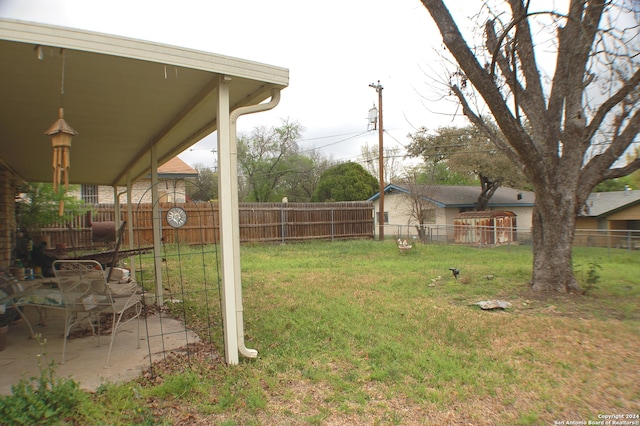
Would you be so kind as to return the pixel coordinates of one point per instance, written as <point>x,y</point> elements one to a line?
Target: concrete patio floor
<point>85,361</point>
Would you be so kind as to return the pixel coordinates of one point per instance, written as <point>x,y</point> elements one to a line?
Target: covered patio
<point>135,105</point>
<point>160,336</point>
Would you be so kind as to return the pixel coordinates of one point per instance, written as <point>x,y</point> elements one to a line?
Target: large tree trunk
<point>553,233</point>
<point>489,188</point>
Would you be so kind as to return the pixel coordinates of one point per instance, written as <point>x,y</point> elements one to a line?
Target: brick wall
<point>8,184</point>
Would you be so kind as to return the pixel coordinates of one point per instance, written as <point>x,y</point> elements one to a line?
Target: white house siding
<point>524,215</point>
<point>397,206</point>
<point>399,212</point>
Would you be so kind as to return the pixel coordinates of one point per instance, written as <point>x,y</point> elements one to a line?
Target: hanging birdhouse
<point>61,134</point>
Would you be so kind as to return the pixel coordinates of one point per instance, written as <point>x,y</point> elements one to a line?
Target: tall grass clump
<point>43,400</point>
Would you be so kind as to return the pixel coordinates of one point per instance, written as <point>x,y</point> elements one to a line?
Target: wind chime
<point>61,133</point>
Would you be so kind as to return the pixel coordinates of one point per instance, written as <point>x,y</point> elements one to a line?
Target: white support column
<point>132,260</point>
<point>227,181</point>
<point>157,226</point>
<point>116,209</point>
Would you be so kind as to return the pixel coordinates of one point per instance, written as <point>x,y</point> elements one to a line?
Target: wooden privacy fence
<point>259,222</point>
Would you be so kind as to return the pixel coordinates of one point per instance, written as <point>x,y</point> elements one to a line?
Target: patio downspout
<point>132,263</point>
<point>235,114</point>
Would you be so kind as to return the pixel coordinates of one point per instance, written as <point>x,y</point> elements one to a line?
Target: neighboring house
<point>611,211</point>
<point>441,203</point>
<point>171,186</point>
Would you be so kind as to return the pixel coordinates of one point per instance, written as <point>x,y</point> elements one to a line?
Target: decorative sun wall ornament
<point>61,134</point>
<point>177,217</point>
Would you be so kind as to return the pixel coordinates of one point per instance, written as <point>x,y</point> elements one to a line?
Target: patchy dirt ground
<point>572,305</point>
<point>585,367</point>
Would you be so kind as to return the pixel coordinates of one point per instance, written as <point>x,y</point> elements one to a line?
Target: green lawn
<point>358,333</point>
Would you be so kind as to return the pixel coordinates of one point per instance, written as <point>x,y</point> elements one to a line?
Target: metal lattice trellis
<point>191,284</point>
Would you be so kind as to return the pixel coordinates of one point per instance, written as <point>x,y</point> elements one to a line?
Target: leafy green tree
<point>265,157</point>
<point>634,178</point>
<point>38,206</point>
<point>468,152</point>
<point>617,184</point>
<point>301,183</point>
<point>428,173</point>
<point>205,186</point>
<point>346,182</point>
<point>566,127</point>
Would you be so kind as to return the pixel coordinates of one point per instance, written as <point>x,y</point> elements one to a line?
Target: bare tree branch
<point>482,81</point>
<point>598,168</point>
<point>488,130</point>
<point>609,104</point>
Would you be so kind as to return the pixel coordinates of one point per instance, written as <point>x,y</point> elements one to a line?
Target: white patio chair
<point>87,295</point>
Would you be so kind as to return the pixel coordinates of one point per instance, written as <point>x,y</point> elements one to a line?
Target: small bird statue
<point>455,272</point>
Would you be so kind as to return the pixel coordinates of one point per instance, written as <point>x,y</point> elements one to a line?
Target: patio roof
<point>122,96</point>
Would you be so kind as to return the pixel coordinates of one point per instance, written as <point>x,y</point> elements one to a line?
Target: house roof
<point>601,204</point>
<point>176,169</point>
<point>464,196</point>
<point>123,97</point>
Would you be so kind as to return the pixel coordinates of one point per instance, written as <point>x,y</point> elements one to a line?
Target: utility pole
<point>378,88</point>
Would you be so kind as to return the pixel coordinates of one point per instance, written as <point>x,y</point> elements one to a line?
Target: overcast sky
<point>333,49</point>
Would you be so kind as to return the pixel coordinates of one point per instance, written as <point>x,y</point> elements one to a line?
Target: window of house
<point>429,215</point>
<point>89,194</point>
<point>386,217</point>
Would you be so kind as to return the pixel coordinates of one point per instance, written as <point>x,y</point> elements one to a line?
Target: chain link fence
<point>446,234</point>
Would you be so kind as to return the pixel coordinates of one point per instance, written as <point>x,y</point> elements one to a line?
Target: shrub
<point>43,400</point>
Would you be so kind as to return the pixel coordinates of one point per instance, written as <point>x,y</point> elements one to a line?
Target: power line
<point>334,143</point>
<point>332,136</point>
<point>393,137</point>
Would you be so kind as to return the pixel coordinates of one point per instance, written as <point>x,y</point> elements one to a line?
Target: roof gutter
<point>234,115</point>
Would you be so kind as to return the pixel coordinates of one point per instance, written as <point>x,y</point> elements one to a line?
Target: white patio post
<point>116,209</point>
<point>157,226</point>
<point>227,210</point>
<point>132,262</point>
